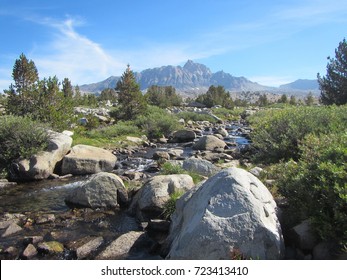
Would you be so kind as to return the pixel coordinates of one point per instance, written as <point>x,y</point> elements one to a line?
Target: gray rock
<point>135,140</point>
<point>42,165</point>
<point>101,190</point>
<point>175,153</point>
<point>322,251</point>
<point>85,250</point>
<point>200,166</point>
<point>84,159</point>
<point>119,248</point>
<point>45,218</point>
<point>256,171</point>
<point>210,143</point>
<point>6,184</point>
<point>11,230</point>
<point>232,212</point>
<point>304,237</point>
<point>30,251</point>
<point>158,225</point>
<point>184,135</point>
<point>12,251</point>
<point>150,200</point>
<point>161,155</point>
<point>222,131</point>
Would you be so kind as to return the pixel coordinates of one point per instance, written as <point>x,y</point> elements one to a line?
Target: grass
<point>170,205</point>
<point>169,168</point>
<point>108,137</point>
<point>228,114</point>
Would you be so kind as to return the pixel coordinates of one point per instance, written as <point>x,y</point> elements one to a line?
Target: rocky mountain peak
<point>192,77</point>
<point>193,68</point>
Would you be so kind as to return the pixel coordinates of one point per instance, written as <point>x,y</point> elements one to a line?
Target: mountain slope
<point>301,84</point>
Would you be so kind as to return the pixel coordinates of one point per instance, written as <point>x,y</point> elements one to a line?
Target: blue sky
<point>267,41</point>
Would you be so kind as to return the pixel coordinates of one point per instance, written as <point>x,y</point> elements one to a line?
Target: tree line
<point>51,101</point>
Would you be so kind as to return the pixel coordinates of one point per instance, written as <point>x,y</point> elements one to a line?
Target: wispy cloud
<point>315,11</point>
<point>73,55</point>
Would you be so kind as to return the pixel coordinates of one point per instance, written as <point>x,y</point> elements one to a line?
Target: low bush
<point>106,136</point>
<point>228,114</point>
<point>277,133</point>
<point>20,137</point>
<point>170,205</point>
<point>157,122</point>
<point>316,185</point>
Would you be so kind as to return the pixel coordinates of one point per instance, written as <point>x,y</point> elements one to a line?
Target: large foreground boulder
<point>150,200</point>
<point>231,215</point>
<point>84,159</point>
<point>209,143</point>
<point>42,165</point>
<point>101,190</point>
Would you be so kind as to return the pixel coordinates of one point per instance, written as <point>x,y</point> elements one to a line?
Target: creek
<point>37,199</point>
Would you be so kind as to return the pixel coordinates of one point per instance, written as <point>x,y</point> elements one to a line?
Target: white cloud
<point>73,55</point>
<point>315,11</point>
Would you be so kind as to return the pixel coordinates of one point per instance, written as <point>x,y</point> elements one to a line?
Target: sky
<point>269,42</point>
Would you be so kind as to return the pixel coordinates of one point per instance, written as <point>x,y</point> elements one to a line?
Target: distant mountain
<point>305,85</point>
<point>191,78</point>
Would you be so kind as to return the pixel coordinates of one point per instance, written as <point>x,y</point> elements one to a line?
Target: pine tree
<point>130,99</point>
<point>67,88</point>
<point>24,74</point>
<point>292,100</point>
<point>21,95</point>
<point>334,85</point>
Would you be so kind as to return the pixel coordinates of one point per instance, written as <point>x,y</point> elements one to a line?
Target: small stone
<point>30,251</point>
<point>12,251</point>
<point>88,248</point>
<point>12,229</point>
<point>46,218</point>
<point>256,171</point>
<point>161,155</point>
<point>159,225</point>
<point>51,247</point>
<point>5,224</point>
<point>32,239</point>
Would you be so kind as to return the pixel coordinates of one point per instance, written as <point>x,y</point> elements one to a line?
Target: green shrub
<point>157,122</point>
<point>20,137</point>
<point>277,133</point>
<point>106,136</point>
<point>119,129</point>
<point>228,114</point>
<point>316,185</point>
<point>168,168</point>
<point>170,205</point>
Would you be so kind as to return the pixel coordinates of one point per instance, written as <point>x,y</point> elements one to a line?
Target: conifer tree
<point>21,97</point>
<point>130,99</point>
<point>334,85</point>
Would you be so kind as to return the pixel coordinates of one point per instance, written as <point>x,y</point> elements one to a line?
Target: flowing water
<point>43,196</point>
<point>39,198</point>
<point>49,195</point>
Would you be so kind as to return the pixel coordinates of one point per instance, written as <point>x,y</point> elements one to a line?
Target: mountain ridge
<point>191,79</point>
